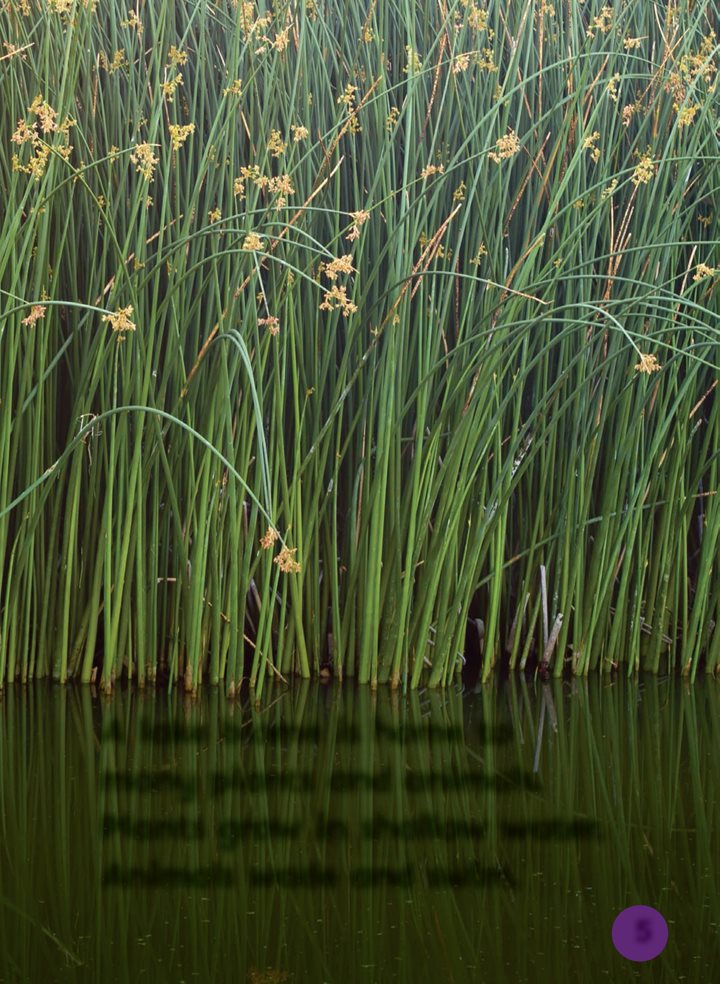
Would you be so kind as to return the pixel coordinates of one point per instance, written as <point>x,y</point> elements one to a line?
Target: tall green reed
<point>326,326</point>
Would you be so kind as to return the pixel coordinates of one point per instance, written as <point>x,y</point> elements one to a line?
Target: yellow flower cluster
<point>273,324</point>
<point>169,87</point>
<point>253,242</point>
<point>648,364</point>
<point>687,115</point>
<point>631,44</point>
<point>432,169</point>
<point>275,145</point>
<point>120,321</point>
<point>703,270</point>
<point>392,118</point>
<point>342,264</point>
<point>414,62</point>
<point>118,61</point>
<point>37,311</point>
<point>486,63</point>
<point>60,6</point>
<point>645,169</point>
<point>612,87</point>
<point>460,63</point>
<point>27,133</point>
<point>269,537</point>
<point>440,251</point>
<point>133,21</point>
<point>507,146</point>
<point>179,134</point>
<point>286,562</point>
<point>603,22</point>
<point>348,100</point>
<point>609,191</point>
<point>249,24</point>
<point>45,114</point>
<point>477,18</point>
<point>176,56</point>
<point>144,160</point>
<point>280,185</point>
<point>358,219</point>
<point>694,71</point>
<point>482,251</point>
<point>590,143</point>
<point>342,301</point>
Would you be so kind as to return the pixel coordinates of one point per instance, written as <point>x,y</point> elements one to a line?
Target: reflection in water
<point>335,835</point>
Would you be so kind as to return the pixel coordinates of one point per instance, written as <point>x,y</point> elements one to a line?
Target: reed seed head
<point>648,364</point>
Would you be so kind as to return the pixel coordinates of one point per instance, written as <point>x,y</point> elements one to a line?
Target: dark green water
<point>336,836</point>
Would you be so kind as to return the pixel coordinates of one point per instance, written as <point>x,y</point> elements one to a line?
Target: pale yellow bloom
<point>118,61</point>
<point>273,324</point>
<point>253,242</point>
<point>602,23</point>
<point>286,562</point>
<point>179,134</point>
<point>507,146</point>
<point>120,321</point>
<point>460,63</point>
<point>348,96</point>
<point>281,184</point>
<point>275,144</point>
<point>648,364</point>
<point>609,191</point>
<point>482,251</point>
<point>133,21</point>
<point>358,219</point>
<point>45,113</point>
<point>282,40</point>
<point>339,295</point>
<point>24,132</point>
<point>413,60</point>
<point>486,63</point>
<point>343,264</point>
<point>269,537</point>
<point>432,169</point>
<point>37,311</point>
<point>687,115</point>
<point>645,170</point>
<point>177,57</point>
<point>168,88</point>
<point>612,87</point>
<point>702,271</point>
<point>144,160</point>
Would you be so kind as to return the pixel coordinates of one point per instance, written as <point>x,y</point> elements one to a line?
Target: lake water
<point>337,836</point>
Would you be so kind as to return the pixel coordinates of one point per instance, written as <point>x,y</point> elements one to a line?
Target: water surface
<point>337,836</point>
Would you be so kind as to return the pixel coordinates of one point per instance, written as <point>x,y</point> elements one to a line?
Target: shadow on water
<point>336,835</point>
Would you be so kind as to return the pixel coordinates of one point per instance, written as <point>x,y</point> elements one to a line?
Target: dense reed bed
<point>333,330</point>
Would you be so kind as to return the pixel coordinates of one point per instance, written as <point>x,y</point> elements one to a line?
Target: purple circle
<point>640,933</point>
